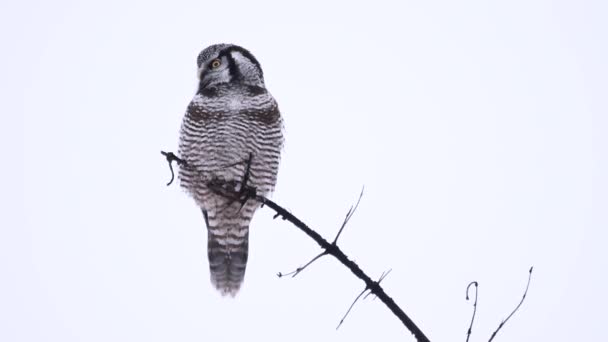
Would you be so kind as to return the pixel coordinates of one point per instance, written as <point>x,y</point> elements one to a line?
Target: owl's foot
<point>235,190</point>
<point>246,192</point>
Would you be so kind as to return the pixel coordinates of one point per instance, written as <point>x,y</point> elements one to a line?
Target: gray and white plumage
<point>231,116</point>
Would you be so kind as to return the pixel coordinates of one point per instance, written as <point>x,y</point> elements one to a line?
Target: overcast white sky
<point>478,129</point>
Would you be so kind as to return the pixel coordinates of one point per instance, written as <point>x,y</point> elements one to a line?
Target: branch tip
<point>351,307</point>
<point>516,308</point>
<point>171,157</point>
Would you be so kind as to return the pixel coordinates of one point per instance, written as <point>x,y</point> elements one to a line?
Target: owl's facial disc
<point>214,71</point>
<point>228,64</point>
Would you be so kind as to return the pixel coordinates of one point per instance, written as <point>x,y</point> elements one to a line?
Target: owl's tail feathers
<point>228,250</point>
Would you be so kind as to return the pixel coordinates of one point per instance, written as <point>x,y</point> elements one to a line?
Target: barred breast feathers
<point>222,129</point>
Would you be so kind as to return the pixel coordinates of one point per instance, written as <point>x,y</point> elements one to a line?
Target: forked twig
<point>349,215</point>
<point>301,268</point>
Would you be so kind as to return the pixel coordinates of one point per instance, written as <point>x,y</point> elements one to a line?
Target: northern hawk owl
<point>231,117</point>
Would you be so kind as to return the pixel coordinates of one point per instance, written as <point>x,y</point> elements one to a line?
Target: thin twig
<point>301,268</point>
<point>382,276</point>
<point>351,307</point>
<point>474,307</point>
<point>516,308</point>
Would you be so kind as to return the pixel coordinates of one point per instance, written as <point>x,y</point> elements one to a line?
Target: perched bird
<point>231,117</point>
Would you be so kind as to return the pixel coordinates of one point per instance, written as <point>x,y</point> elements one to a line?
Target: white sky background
<point>478,129</point>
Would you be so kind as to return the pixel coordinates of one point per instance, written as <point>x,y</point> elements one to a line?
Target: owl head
<point>227,63</point>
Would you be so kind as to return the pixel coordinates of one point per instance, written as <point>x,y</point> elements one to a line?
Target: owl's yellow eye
<point>216,63</point>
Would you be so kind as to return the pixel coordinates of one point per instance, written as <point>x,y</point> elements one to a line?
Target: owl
<point>232,124</point>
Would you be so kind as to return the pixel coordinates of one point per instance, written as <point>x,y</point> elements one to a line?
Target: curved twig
<point>474,307</point>
<point>516,308</point>
<point>170,159</point>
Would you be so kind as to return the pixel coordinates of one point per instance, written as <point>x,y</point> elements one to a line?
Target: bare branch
<point>474,307</point>
<point>516,308</point>
<point>246,192</point>
<point>328,248</point>
<point>337,253</point>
